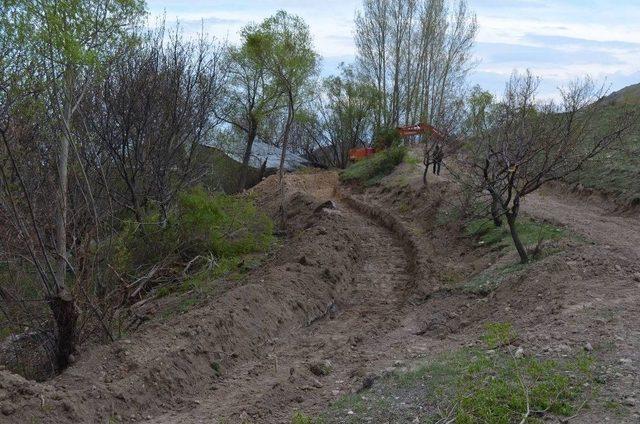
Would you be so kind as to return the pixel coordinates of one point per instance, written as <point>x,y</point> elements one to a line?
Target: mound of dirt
<point>336,293</point>
<point>166,363</point>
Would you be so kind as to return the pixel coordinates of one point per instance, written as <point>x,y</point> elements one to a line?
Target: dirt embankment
<point>166,363</point>
<point>336,294</point>
<point>581,296</point>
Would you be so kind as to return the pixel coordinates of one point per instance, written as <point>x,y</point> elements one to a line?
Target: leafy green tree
<point>252,95</point>
<point>67,43</point>
<point>283,45</point>
<point>387,137</point>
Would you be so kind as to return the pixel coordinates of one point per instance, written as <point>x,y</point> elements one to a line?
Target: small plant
<point>499,334</point>
<point>300,418</point>
<point>216,367</point>
<point>474,385</point>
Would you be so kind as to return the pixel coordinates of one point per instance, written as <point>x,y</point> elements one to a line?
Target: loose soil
<point>364,279</point>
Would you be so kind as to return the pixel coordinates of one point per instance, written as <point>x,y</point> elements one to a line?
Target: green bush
<point>219,228</point>
<point>372,169</point>
<point>387,137</point>
<point>223,225</point>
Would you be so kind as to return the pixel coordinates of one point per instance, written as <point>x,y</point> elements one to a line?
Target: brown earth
<point>358,284</point>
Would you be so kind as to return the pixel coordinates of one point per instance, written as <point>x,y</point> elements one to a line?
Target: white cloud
<point>557,39</point>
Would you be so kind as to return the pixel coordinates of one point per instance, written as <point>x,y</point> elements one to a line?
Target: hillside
<point>379,307</point>
<point>616,173</point>
<point>628,95</point>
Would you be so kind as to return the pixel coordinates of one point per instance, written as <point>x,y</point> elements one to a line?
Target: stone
<point>588,347</point>
<point>326,205</point>
<point>519,353</point>
<point>7,409</point>
<point>321,368</point>
<point>367,383</point>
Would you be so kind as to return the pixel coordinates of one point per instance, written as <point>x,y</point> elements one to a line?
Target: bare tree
<point>520,143</point>
<point>149,117</point>
<point>417,53</point>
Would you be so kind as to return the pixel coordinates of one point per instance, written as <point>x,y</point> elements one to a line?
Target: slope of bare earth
<point>358,285</point>
<point>583,298</point>
<point>168,362</point>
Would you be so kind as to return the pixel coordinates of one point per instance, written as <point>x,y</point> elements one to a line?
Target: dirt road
<point>620,234</point>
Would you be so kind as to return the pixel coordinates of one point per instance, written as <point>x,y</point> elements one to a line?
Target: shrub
<point>223,225</point>
<point>388,137</point>
<point>372,169</point>
<point>218,228</point>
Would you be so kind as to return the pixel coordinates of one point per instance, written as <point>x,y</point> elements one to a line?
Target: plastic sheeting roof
<point>261,151</point>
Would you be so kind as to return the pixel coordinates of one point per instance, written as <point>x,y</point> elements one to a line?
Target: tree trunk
<point>263,170</point>
<point>495,213</point>
<point>426,162</point>
<point>244,170</point>
<point>62,303</point>
<point>511,220</point>
<point>285,143</point>
<point>65,314</point>
<point>61,217</point>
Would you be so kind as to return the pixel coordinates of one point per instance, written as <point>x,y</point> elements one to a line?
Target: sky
<point>558,40</point>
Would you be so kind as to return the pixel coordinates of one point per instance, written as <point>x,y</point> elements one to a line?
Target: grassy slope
<point>490,384</point>
<point>616,172</point>
<point>371,170</point>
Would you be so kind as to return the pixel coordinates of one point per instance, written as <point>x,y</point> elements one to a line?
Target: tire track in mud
<point>362,336</point>
<point>397,228</point>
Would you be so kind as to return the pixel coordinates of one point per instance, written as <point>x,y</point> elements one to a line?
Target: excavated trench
<point>332,291</point>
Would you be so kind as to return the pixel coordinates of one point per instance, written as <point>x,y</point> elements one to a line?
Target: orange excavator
<point>406,131</point>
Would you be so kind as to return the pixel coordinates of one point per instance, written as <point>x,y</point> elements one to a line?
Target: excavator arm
<point>417,129</point>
